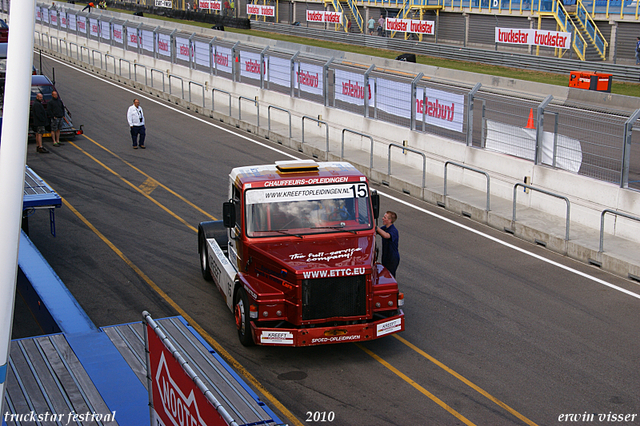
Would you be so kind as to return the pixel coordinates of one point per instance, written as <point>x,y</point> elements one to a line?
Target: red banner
<point>177,400</point>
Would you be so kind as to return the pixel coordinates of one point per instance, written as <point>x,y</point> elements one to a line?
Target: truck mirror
<point>375,203</point>
<point>228,214</point>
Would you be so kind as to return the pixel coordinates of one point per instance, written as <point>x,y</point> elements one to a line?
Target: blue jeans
<point>135,131</point>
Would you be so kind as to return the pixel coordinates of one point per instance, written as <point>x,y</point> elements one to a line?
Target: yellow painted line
<point>137,189</point>
<point>172,192</point>
<point>189,319</point>
<point>148,186</point>
<point>466,381</point>
<point>418,387</point>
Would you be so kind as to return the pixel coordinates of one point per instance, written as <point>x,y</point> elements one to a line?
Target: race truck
<point>294,256</point>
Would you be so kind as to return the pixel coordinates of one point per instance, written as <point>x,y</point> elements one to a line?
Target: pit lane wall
<point>589,197</point>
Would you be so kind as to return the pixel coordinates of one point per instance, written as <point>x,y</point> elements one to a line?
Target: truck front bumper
<point>328,335</point>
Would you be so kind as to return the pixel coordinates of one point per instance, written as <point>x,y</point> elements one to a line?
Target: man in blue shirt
<point>389,234</point>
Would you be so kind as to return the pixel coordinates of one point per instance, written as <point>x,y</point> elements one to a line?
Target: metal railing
<point>319,123</point>
<point>253,101</point>
<point>135,72</point>
<point>591,28</point>
<point>614,212</point>
<point>159,72</point>
<point>197,84</point>
<point>213,105</point>
<point>106,62</point>
<point>181,83</point>
<point>93,57</point>
<point>488,208</point>
<point>120,61</point>
<point>359,134</point>
<point>424,160</point>
<point>523,185</point>
<point>460,53</point>
<point>279,109</point>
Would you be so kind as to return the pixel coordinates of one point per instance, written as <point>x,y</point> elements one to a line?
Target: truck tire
<point>241,312</point>
<point>204,258</point>
<point>217,231</point>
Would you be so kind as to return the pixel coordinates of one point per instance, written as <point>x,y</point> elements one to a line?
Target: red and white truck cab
<point>295,256</point>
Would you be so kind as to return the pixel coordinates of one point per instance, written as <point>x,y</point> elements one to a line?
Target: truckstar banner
<point>210,5</point>
<point>324,16</point>
<point>176,398</point>
<point>251,66</point>
<point>255,9</point>
<point>410,26</point>
<point>532,37</point>
<point>442,109</point>
<point>350,87</point>
<point>222,59</point>
<point>308,78</point>
<point>183,49</point>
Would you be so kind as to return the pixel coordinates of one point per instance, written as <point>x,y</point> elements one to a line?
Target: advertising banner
<point>279,71</point>
<point>324,16</point>
<point>210,5</point>
<point>132,37</point>
<point>201,53</point>
<point>222,60</point>
<point>182,49</point>
<point>45,15</point>
<point>72,23</point>
<point>442,109</point>
<point>410,26</point>
<point>164,44</point>
<point>256,9</point>
<point>350,87</point>
<point>53,17</point>
<point>393,97</point>
<point>176,398</point>
<point>164,3</point>
<point>64,22</point>
<point>117,33</point>
<point>94,29</point>
<point>147,39</point>
<point>38,13</point>
<point>532,37</point>
<point>82,24</point>
<point>250,65</point>
<point>309,78</point>
<point>105,30</point>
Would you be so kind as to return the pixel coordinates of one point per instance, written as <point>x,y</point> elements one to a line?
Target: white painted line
<point>494,239</point>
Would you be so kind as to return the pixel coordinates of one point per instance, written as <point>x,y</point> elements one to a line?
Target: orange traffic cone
<point>530,123</point>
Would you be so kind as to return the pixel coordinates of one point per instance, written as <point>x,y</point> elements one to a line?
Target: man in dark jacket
<point>55,110</point>
<point>39,122</point>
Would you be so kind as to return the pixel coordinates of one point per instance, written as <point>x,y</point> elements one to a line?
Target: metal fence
<point>594,144</point>
<point>460,53</point>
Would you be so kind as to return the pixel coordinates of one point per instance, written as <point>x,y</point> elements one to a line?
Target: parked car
<point>4,31</point>
<point>42,84</point>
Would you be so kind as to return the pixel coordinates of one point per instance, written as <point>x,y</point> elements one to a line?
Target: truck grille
<point>334,297</point>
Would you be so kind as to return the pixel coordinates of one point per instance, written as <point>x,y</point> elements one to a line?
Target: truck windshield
<point>307,209</point>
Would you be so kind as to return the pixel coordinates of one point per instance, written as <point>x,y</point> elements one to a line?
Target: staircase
<point>591,52</point>
<point>351,12</point>
<point>587,40</point>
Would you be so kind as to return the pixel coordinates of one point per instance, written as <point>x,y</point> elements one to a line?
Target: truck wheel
<point>204,259</point>
<point>241,311</point>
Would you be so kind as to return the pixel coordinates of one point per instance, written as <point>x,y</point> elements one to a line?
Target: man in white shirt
<point>135,117</point>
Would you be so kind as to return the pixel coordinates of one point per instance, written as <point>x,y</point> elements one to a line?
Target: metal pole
<point>13,154</point>
<point>540,128</point>
<point>470,98</point>
<point>626,149</point>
